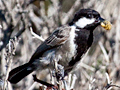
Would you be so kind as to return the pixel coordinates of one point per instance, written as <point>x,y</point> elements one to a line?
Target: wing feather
<point>57,38</point>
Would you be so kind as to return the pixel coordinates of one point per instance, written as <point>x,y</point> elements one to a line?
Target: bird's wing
<point>57,38</point>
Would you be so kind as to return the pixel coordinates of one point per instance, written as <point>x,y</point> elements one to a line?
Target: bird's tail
<point>20,72</point>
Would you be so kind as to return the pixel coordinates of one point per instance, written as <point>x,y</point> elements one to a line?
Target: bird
<point>67,44</point>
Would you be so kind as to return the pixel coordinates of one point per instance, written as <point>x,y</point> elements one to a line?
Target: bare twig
<point>87,66</point>
<point>66,86</point>
<point>32,86</point>
<point>73,81</point>
<point>44,83</point>
<point>108,78</point>
<point>92,80</point>
<point>104,52</point>
<point>109,85</point>
<point>6,37</point>
<point>35,35</point>
<point>10,51</point>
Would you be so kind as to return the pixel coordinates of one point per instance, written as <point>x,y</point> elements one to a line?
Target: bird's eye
<point>89,16</point>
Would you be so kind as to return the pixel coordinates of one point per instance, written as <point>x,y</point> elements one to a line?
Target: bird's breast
<point>83,39</point>
<point>68,50</point>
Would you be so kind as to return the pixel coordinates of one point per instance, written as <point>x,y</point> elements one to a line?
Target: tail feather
<point>20,72</point>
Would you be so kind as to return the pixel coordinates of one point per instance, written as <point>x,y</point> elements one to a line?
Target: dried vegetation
<point>21,21</point>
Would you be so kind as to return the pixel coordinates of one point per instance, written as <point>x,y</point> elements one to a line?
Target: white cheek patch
<point>82,22</point>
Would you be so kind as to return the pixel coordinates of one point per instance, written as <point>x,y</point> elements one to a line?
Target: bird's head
<point>89,19</point>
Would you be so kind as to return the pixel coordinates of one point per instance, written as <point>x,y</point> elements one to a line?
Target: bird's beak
<point>105,24</point>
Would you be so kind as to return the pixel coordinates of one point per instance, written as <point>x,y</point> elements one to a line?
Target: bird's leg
<point>59,71</point>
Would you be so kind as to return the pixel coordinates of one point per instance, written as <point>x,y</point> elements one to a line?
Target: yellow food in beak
<point>106,25</point>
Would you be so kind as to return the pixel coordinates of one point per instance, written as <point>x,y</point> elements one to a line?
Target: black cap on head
<point>88,13</point>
